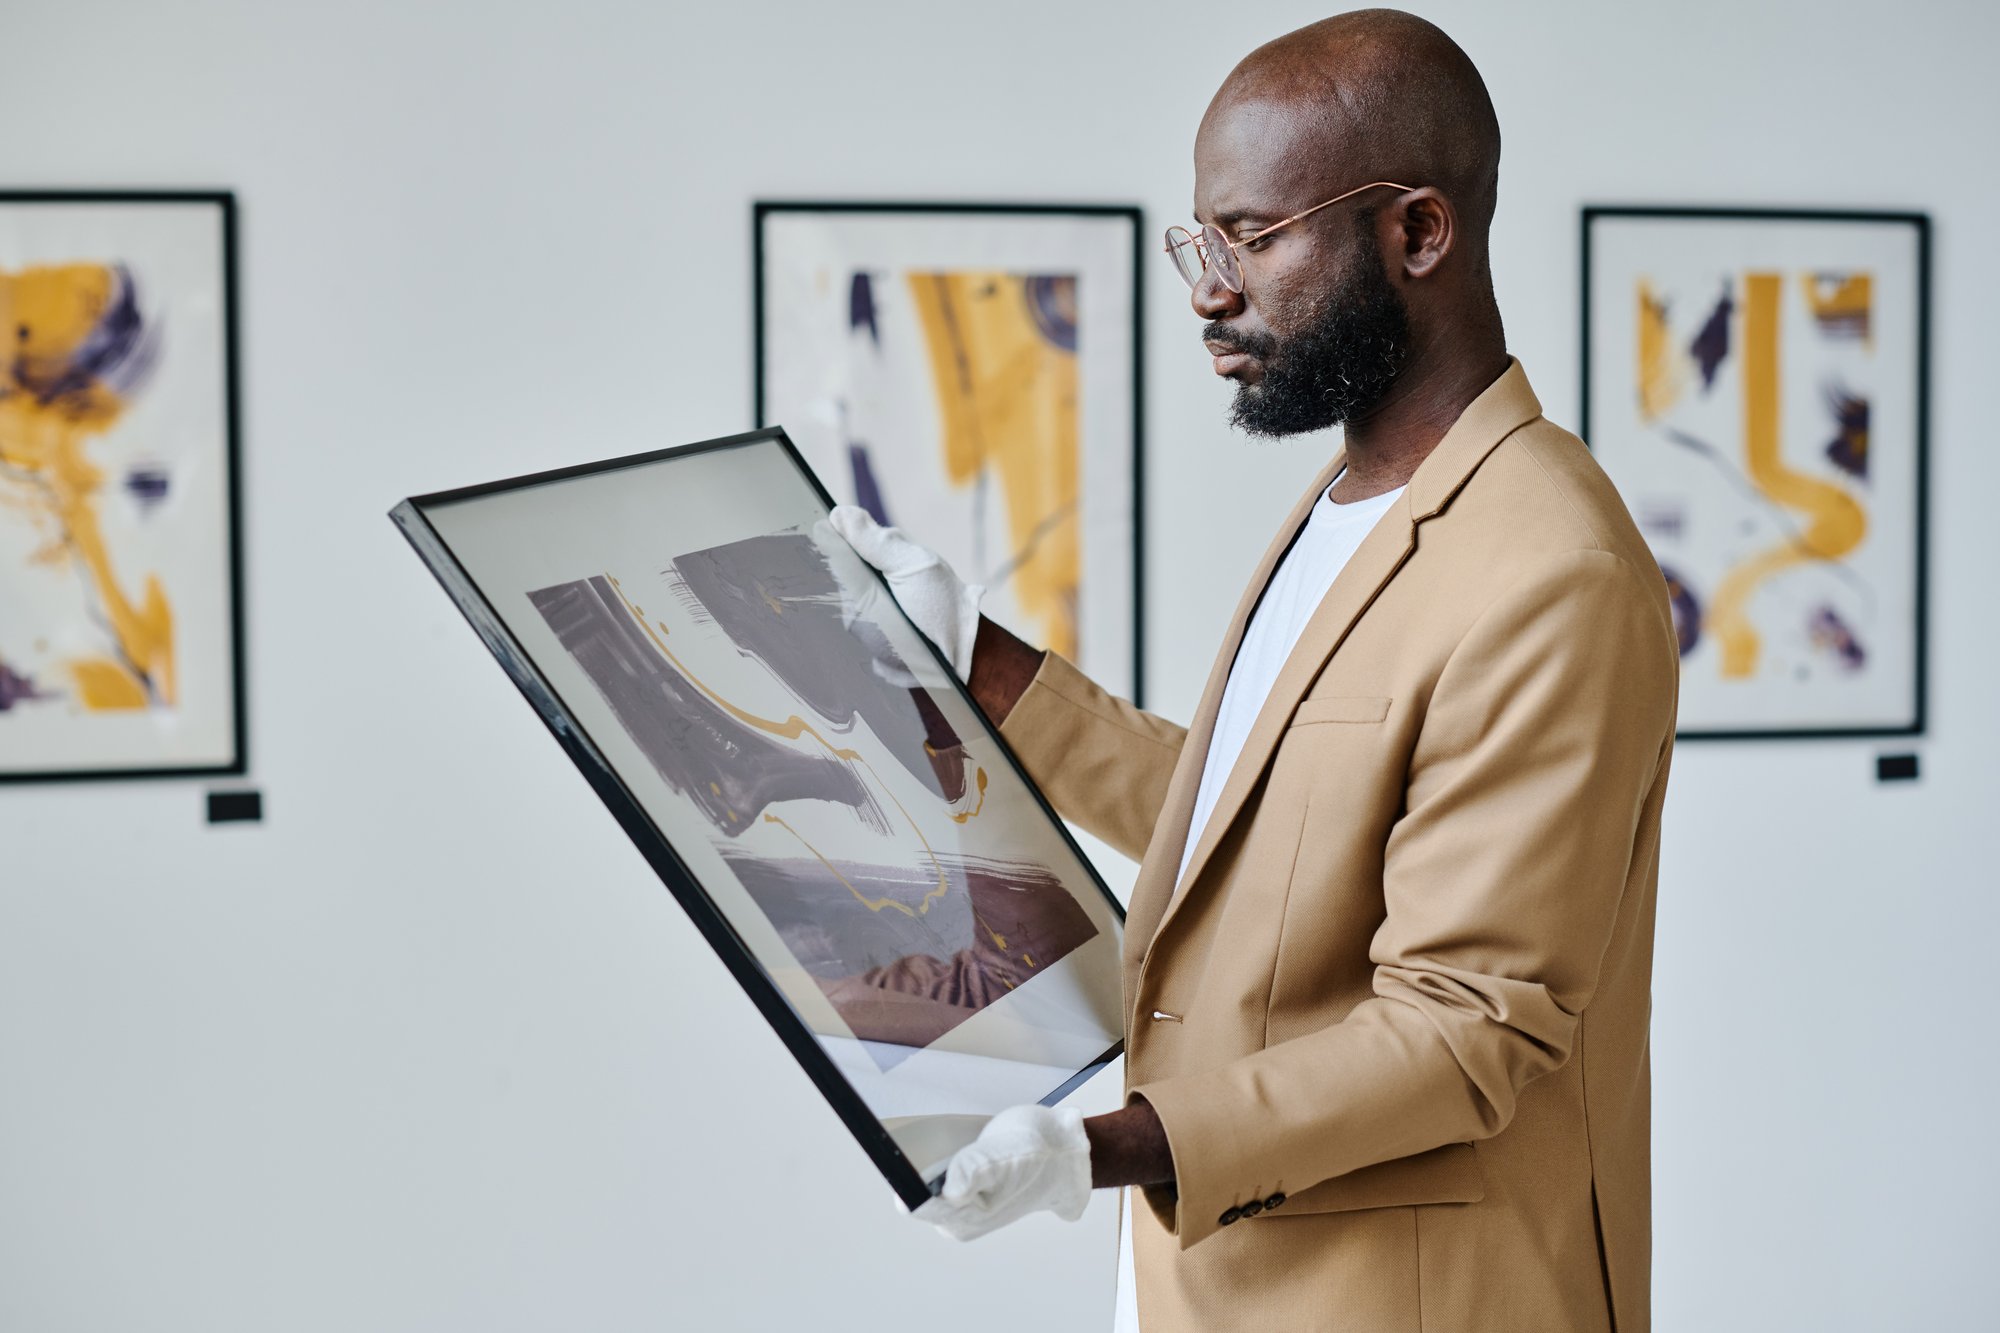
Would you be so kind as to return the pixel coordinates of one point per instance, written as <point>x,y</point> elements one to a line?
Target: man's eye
<point>1253,243</point>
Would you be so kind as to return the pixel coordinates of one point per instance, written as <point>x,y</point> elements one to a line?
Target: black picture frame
<point>410,517</point>
<point>224,201</point>
<point>765,209</point>
<point>1592,215</point>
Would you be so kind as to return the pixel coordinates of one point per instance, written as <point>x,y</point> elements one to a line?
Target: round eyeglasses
<point>1194,252</point>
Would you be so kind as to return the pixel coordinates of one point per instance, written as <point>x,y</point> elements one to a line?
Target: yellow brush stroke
<point>872,904</point>
<point>979,781</point>
<point>878,904</point>
<point>105,686</point>
<point>47,313</point>
<point>1835,523</point>
<point>1007,396</point>
<point>1662,373</point>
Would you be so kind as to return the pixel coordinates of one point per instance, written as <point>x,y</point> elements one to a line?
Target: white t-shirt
<point>1331,535</point>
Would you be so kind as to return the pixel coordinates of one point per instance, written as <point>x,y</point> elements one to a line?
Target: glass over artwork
<point>817,774</point>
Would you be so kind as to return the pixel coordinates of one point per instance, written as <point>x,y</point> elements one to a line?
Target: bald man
<point>1389,952</point>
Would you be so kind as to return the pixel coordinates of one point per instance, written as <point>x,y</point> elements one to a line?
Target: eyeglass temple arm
<point>1317,207</point>
<point>1195,238</point>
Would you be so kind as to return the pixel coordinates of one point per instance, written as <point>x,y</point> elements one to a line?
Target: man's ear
<point>1428,227</point>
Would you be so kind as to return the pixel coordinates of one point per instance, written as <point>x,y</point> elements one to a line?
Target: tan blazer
<point>1394,1017</point>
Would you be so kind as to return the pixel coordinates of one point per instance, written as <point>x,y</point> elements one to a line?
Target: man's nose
<point>1212,299</point>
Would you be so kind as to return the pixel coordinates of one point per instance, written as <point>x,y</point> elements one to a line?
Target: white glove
<point>861,593</point>
<point>1027,1159</point>
<point>938,602</point>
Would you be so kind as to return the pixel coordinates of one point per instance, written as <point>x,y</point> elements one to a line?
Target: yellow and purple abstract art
<point>117,643</point>
<point>968,376</point>
<point>1755,389</point>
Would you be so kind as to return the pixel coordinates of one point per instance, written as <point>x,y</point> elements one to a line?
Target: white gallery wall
<point>429,1049</point>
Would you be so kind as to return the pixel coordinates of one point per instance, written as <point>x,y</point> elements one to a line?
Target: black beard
<point>1335,369</point>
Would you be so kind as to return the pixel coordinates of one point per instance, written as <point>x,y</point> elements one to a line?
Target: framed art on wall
<point>971,373</point>
<point>805,774</point>
<point>120,551</point>
<point>1755,383</point>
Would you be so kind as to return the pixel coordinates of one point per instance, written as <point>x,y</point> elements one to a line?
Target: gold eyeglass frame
<point>1205,241</point>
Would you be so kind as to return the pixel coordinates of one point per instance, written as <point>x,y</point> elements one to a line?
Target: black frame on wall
<point>762,209</point>
<point>1921,223</point>
<point>225,201</point>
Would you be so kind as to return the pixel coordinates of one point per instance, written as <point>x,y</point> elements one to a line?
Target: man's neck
<point>1385,447</point>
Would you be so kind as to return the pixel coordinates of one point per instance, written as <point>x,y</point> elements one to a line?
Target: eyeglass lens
<point>1192,255</point>
<point>1186,254</point>
<point>1223,256</point>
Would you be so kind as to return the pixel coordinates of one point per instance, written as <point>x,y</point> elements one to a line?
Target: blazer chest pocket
<point>1340,708</point>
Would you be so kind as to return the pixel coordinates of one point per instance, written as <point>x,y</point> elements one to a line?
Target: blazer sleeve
<point>1542,744</point>
<point>1102,763</point>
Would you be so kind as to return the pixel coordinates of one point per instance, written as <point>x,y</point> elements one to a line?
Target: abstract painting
<point>805,774</point>
<point>1755,384</point>
<point>120,642</point>
<point>970,374</point>
<point>905,948</point>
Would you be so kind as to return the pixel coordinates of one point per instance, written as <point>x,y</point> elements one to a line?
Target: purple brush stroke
<point>1710,347</point>
<point>867,491</point>
<point>1686,610</point>
<point>861,307</point>
<point>777,600</point>
<point>1051,301</point>
<point>16,688</point>
<point>729,771</point>
<point>1832,634</point>
<point>117,354</point>
<point>148,484</point>
<point>1848,450</point>
<point>904,981</point>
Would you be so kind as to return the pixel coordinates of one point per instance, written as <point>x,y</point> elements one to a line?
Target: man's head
<point>1334,305</point>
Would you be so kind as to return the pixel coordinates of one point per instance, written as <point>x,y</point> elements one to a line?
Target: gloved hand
<point>1027,1159</point>
<point>938,602</point>
<point>861,615</point>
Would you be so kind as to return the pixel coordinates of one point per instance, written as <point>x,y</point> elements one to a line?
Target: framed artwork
<point>1755,383</point>
<point>121,606</point>
<point>971,374</point>
<point>805,774</point>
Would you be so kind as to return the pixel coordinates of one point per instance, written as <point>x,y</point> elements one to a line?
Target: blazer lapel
<point>1155,883</point>
<point>1504,407</point>
<point>1377,559</point>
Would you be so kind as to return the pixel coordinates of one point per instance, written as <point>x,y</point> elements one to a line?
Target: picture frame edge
<point>409,517</point>
<point>763,208</point>
<point>225,200</point>
<point>1921,221</point>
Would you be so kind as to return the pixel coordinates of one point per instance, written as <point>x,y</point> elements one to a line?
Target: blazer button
<point>1275,1200</point>
<point>1252,1208</point>
<point>1229,1216</point>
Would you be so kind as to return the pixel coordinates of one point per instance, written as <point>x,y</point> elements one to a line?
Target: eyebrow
<point>1238,217</point>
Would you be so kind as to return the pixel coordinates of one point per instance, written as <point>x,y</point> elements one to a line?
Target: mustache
<point>1259,345</point>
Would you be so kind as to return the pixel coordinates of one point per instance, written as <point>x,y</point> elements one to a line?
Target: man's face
<point>1318,334</point>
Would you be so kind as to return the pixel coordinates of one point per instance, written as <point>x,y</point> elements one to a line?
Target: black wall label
<point>1895,767</point>
<point>235,807</point>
